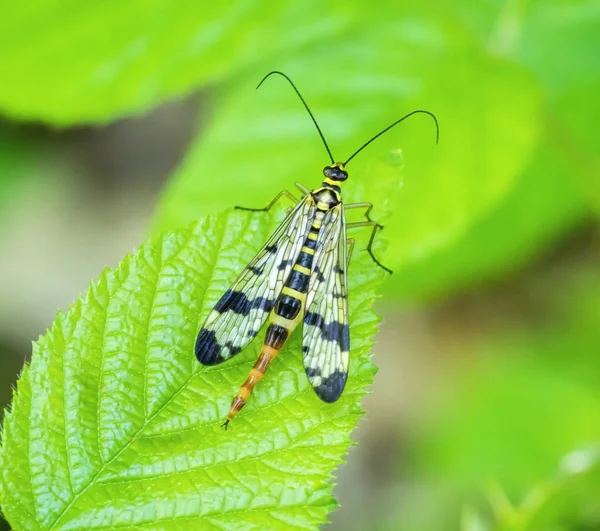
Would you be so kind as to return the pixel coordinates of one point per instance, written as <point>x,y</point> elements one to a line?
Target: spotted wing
<point>243,309</point>
<point>326,336</point>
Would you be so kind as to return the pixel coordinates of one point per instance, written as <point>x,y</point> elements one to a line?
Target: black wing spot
<point>237,302</point>
<point>264,304</point>
<point>283,264</point>
<point>333,331</point>
<point>230,300</point>
<point>311,372</point>
<point>345,338</point>
<point>257,270</point>
<point>331,387</point>
<point>313,319</point>
<point>208,351</point>
<point>318,273</point>
<point>271,248</point>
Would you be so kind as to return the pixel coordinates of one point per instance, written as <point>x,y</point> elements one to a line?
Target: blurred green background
<point>119,119</point>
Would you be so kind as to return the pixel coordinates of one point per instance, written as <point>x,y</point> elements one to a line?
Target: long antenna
<point>437,135</point>
<point>305,106</point>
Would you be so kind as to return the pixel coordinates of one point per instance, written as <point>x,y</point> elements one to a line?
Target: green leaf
<point>263,142</point>
<point>558,43</point>
<point>567,500</point>
<point>115,424</point>
<point>475,437</point>
<point>516,403</point>
<point>471,520</point>
<point>542,206</point>
<point>71,62</point>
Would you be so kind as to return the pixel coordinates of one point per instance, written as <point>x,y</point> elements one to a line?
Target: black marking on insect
<point>331,331</point>
<point>318,274</point>
<point>284,263</point>
<point>211,352</point>
<point>238,302</point>
<point>331,387</point>
<point>257,270</point>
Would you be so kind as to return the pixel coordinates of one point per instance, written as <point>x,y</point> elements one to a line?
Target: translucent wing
<point>326,336</point>
<point>243,309</point>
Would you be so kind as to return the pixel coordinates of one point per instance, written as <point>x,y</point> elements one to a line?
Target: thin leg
<point>374,226</point>
<point>367,213</point>
<point>268,207</point>
<point>350,242</point>
<point>302,188</point>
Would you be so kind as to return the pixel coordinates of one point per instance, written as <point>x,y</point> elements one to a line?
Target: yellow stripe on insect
<point>312,236</point>
<point>302,269</point>
<point>308,250</point>
<point>293,293</point>
<point>282,321</point>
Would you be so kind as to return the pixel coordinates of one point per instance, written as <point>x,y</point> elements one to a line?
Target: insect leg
<point>302,188</point>
<point>374,226</point>
<point>275,199</point>
<point>368,206</point>
<point>350,242</point>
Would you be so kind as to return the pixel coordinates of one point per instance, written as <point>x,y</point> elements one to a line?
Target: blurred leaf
<point>530,399</point>
<point>560,43</point>
<point>472,521</point>
<point>509,409</point>
<point>260,143</point>
<point>557,41</point>
<point>568,500</point>
<point>575,137</point>
<point>76,62</point>
<point>115,423</point>
<point>542,206</point>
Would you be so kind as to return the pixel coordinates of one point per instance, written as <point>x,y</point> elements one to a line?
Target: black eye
<point>328,171</point>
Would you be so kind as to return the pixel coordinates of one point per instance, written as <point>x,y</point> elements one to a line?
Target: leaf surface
<point>115,424</point>
<point>71,62</point>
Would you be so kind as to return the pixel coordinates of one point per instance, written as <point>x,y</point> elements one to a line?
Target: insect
<point>298,276</point>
